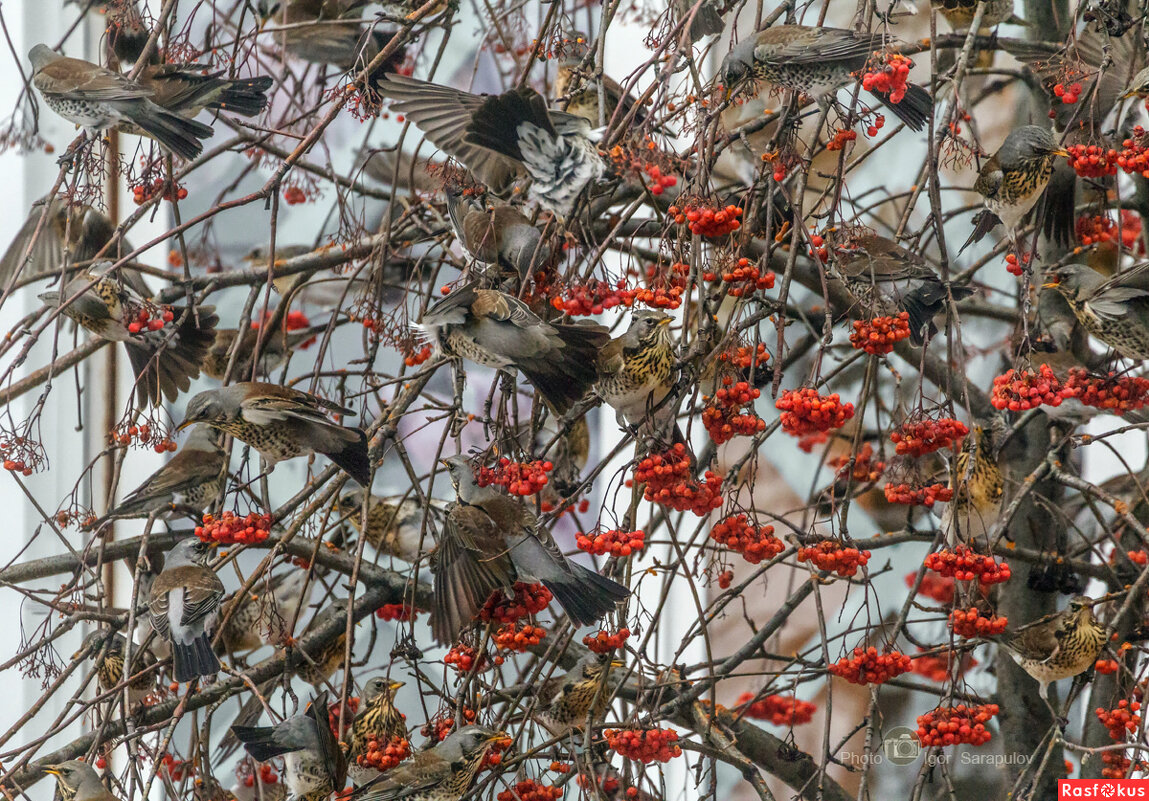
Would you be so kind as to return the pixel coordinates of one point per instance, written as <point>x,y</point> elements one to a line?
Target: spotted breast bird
<point>1115,309</point>
<point>282,423</point>
<point>378,720</point>
<point>1014,178</point>
<point>192,479</point>
<point>637,371</point>
<point>816,61</point>
<point>978,486</point>
<point>107,650</point>
<point>496,233</point>
<point>444,772</point>
<point>503,137</point>
<point>261,616</point>
<point>581,695</point>
<point>184,605</point>
<point>398,526</point>
<point>579,93</point>
<point>497,330</point>
<point>78,781</point>
<point>164,358</point>
<point>490,542</point>
<point>97,98</point>
<point>314,765</point>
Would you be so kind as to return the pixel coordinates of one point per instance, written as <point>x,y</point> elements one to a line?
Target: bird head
<point>737,67</point>
<point>207,407</point>
<point>351,503</point>
<point>459,469</point>
<point>41,56</point>
<point>474,738</point>
<point>1080,604</point>
<point>1072,280</point>
<point>71,773</point>
<point>191,550</point>
<point>379,685</point>
<point>647,327</point>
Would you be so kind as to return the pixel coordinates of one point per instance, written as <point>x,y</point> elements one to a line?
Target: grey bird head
<point>351,503</point>
<point>1074,281</point>
<point>646,327</point>
<point>462,476</point>
<point>1027,143</point>
<point>97,640</point>
<point>77,776</point>
<point>379,685</point>
<point>592,665</point>
<point>737,67</point>
<point>467,741</point>
<point>41,56</point>
<point>203,438</point>
<point>190,551</point>
<point>212,406</point>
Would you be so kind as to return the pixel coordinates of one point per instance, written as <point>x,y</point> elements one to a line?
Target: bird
<point>444,772</point>
<point>125,30</point>
<point>1013,179</point>
<point>329,32</point>
<point>261,616</point>
<point>496,233</point>
<point>637,370</point>
<point>490,542</point>
<point>107,649</point>
<point>816,61</point>
<point>192,479</point>
<point>497,330</point>
<point>578,93</point>
<point>378,720</point>
<point>503,137</point>
<point>277,344</point>
<point>960,13</point>
<point>706,20</point>
<point>314,765</point>
<point>582,694</point>
<point>282,423</point>
<point>1115,310</point>
<point>978,485</point>
<point>398,526</point>
<point>184,605</point>
<point>187,89</point>
<point>886,278</point>
<point>164,361</point>
<point>78,781</point>
<point>1063,646</point>
<point>72,233</point>
<point>96,98</point>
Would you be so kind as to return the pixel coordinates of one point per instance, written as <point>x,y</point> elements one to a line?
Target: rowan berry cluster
<point>725,579</point>
<point>593,297</point>
<point>21,454</point>
<point>879,123</point>
<point>494,756</point>
<point>840,138</point>
<point>755,543</point>
<point>520,478</point>
<point>1017,267</point>
<point>1119,394</point>
<point>706,220</point>
<point>833,556</point>
<point>1101,229</point>
<point>781,710</point>
<point>917,496</point>
<point>665,285</point>
<point>659,182</point>
<point>1021,390</point>
<point>530,790</point>
<point>159,187</point>
<point>669,481</point>
<point>971,623</point>
<point>294,195</point>
<point>743,279</point>
<point>889,78</point>
<point>604,642</point>
<point>605,786</point>
<point>644,745</point>
<point>177,769</point>
<point>1119,721</point>
<point>442,723</point>
<point>352,707</point>
<point>396,612</point>
<point>939,588</point>
<point>1138,557</point>
<point>384,756</point>
<point>528,599</point>
<point>804,411</point>
<point>818,249</point>
<point>864,469</point>
<point>947,725</point>
<point>1067,94</point>
<point>936,667</point>
<point>513,637</point>
<point>463,658</point>
<point>613,542</point>
<point>229,528</point>
<point>879,335</point>
<point>724,418</point>
<point>918,437</point>
<point>145,319</point>
<point>416,357</point>
<point>744,357</point>
<point>963,564</point>
<point>1096,161</point>
<point>143,434</point>
<point>1106,666</point>
<point>266,774</point>
<point>868,666</point>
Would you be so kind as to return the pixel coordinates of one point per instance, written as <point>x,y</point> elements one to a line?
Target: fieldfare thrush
<point>490,542</point>
<point>497,233</point>
<point>378,720</point>
<point>165,346</point>
<point>314,765</point>
<point>637,371</point>
<point>581,695</point>
<point>578,93</point>
<point>816,61</point>
<point>192,479</point>
<point>1014,178</point>
<point>78,781</point>
<point>282,423</point>
<point>503,137</point>
<point>398,526</point>
<point>184,605</point>
<point>706,18</point>
<point>329,32</point>
<point>497,330</point>
<point>978,485</point>
<point>1064,646</point>
<point>1115,310</point>
<point>886,278</point>
<point>97,98</point>
<point>444,772</point>
<point>106,648</point>
<point>959,13</point>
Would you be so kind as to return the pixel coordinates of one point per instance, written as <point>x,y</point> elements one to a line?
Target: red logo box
<point>1102,789</point>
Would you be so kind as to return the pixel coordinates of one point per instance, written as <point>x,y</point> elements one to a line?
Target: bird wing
<point>1113,302</point>
<point>611,359</point>
<point>186,470</point>
<point>266,408</point>
<point>1037,642</point>
<point>469,564</point>
<point>330,753</point>
<point>82,80</point>
<point>426,769</point>
<point>48,249</point>
<point>813,45</point>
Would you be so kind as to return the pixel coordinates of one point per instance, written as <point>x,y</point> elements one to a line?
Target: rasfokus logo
<point>1102,788</point>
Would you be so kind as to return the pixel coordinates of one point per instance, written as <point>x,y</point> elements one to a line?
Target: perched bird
<point>886,279</point>
<point>637,370</point>
<point>192,479</point>
<point>1014,178</point>
<point>164,362</point>
<point>582,694</point>
<point>96,98</point>
<point>816,61</point>
<point>578,93</point>
<point>314,765</point>
<point>978,485</point>
<point>72,233</point>
<point>78,781</point>
<point>261,616</point>
<point>126,31</point>
<point>444,772</point>
<point>378,720</point>
<point>282,423</point>
<point>107,649</point>
<point>706,20</point>
<point>186,89</point>
<point>1063,646</point>
<point>497,330</point>
<point>1115,310</point>
<point>396,526</point>
<point>184,605</point>
<point>503,137</point>
<point>960,13</point>
<point>496,234</point>
<point>277,344</point>
<point>490,542</point>
<point>329,32</point>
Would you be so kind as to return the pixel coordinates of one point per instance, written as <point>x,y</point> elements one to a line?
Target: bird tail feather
<point>585,595</point>
<point>190,661</point>
<point>260,742</point>
<point>913,109</point>
<point>246,96</point>
<point>178,134</point>
<point>565,381</point>
<point>164,365</point>
<point>352,458</point>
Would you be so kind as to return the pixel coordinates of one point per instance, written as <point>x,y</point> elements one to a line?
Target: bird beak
<point>1061,152</point>
<point>1051,284</point>
<point>185,424</point>
<point>1128,94</point>
<point>666,321</point>
<point>395,685</point>
<point>617,663</point>
<point>53,769</point>
<point>727,93</point>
